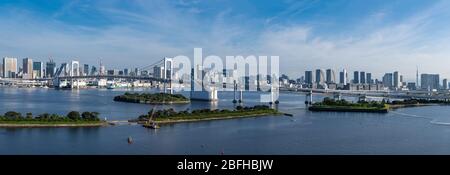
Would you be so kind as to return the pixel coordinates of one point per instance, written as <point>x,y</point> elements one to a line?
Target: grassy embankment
<point>157,98</point>
<point>72,119</point>
<point>171,116</point>
<point>345,106</point>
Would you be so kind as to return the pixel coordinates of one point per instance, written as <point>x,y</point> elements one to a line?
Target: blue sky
<point>372,35</point>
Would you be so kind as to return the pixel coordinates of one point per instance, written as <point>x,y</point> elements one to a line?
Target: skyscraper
<point>369,78</point>
<point>86,69</point>
<point>27,67</point>
<point>396,79</point>
<point>444,84</point>
<point>356,77</point>
<point>320,77</point>
<point>343,77</point>
<point>93,70</point>
<point>9,67</point>
<point>50,69</point>
<point>388,80</point>
<point>331,77</point>
<point>429,81</point>
<point>38,69</point>
<point>362,77</point>
<point>309,77</point>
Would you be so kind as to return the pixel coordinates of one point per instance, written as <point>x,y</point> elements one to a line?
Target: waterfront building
<point>158,72</point>
<point>343,76</point>
<point>27,68</point>
<point>85,69</point>
<point>309,77</point>
<point>444,84</point>
<point>429,81</point>
<point>9,67</point>
<point>93,70</point>
<point>356,77</point>
<point>320,77</point>
<point>362,77</point>
<point>397,80</point>
<point>388,80</point>
<point>331,77</point>
<point>369,78</point>
<point>38,69</point>
<point>137,71</point>
<point>50,69</point>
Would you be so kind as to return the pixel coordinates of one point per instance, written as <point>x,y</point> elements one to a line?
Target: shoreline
<point>156,103</point>
<point>49,125</point>
<point>399,106</point>
<point>346,109</point>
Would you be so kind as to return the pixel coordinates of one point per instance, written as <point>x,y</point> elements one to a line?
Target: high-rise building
<point>396,79</point>
<point>445,84</point>
<point>50,69</point>
<point>320,77</point>
<point>137,71</point>
<point>356,77</point>
<point>158,72</point>
<point>9,67</point>
<point>331,77</point>
<point>86,69</point>
<point>93,70</point>
<point>429,81</point>
<point>125,72</point>
<point>388,80</point>
<point>27,68</point>
<point>343,77</point>
<point>369,78</point>
<point>362,77</point>
<point>309,77</point>
<point>38,69</point>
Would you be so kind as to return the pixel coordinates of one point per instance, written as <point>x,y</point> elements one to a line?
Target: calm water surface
<point>423,130</point>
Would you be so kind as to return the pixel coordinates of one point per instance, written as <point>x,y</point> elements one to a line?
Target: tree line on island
<point>150,98</point>
<point>206,113</point>
<point>327,101</point>
<point>72,116</point>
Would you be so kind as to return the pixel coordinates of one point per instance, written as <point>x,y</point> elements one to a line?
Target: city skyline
<point>385,36</point>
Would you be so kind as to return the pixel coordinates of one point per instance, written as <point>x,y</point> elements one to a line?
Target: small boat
<point>130,140</point>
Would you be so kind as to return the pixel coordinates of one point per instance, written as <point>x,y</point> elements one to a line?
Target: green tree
<point>11,115</point>
<point>74,115</point>
<point>29,115</point>
<point>95,116</point>
<point>86,116</point>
